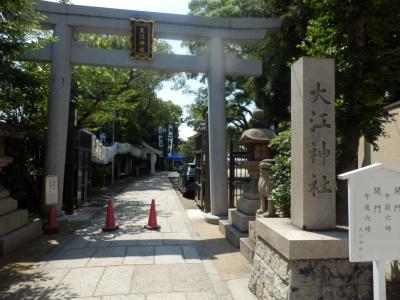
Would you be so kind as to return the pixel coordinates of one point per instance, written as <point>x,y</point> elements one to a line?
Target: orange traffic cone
<point>152,223</point>
<point>51,225</point>
<point>110,220</point>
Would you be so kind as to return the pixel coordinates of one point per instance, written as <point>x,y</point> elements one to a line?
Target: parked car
<point>187,178</point>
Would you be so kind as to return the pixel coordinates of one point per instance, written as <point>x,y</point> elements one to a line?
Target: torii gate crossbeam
<point>66,20</point>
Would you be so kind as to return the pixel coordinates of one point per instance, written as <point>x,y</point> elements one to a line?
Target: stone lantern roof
<point>256,134</point>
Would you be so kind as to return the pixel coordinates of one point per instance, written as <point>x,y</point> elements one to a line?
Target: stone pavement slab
<point>115,281</point>
<point>169,255</point>
<point>151,279</point>
<point>108,256</point>
<point>190,278</point>
<point>142,255</point>
<point>70,258</point>
<point>125,297</point>
<point>191,255</point>
<point>79,282</point>
<point>167,296</point>
<point>177,262</point>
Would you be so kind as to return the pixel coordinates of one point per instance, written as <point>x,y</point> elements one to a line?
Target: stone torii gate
<point>66,20</point>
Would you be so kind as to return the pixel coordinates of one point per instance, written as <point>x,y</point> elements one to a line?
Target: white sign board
<point>374,219</point>
<point>51,190</point>
<point>374,214</point>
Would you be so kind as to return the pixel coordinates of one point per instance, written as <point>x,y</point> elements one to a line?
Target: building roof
<point>151,149</point>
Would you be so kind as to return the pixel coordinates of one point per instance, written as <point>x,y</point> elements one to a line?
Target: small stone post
<point>313,204</point>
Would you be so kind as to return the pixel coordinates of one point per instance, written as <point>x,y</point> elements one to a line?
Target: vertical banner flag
<point>170,138</point>
<point>160,138</point>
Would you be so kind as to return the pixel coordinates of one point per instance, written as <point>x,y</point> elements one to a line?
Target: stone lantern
<point>256,140</point>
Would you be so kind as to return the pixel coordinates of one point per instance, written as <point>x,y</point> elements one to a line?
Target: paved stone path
<point>131,263</point>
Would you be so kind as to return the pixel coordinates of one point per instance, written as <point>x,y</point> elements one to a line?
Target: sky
<point>164,6</point>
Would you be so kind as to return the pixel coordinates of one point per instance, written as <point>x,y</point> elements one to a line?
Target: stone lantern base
<point>237,225</point>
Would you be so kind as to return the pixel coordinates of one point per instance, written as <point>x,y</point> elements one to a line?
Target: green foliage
<point>364,39</point>
<point>280,179</point>
<point>20,90</point>
<point>236,108</point>
<point>187,149</point>
<point>271,90</point>
<point>23,99</point>
<point>125,96</point>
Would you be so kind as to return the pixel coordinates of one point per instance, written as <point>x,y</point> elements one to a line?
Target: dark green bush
<point>280,179</point>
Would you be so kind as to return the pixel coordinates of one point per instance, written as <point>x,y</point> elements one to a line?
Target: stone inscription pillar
<point>313,181</point>
<point>217,130</point>
<point>58,107</point>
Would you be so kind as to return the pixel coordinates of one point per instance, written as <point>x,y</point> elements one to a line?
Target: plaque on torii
<point>142,39</point>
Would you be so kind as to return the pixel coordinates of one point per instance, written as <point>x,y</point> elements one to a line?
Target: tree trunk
<point>346,162</point>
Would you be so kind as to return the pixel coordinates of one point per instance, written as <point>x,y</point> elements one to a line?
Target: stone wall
<point>275,277</point>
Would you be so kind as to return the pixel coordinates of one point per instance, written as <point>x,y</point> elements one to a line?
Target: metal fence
<point>237,173</point>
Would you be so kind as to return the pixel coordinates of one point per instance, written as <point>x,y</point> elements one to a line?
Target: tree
<point>364,39</point>
<point>187,149</point>
<point>23,98</point>
<point>126,96</point>
<point>271,90</point>
<point>236,108</point>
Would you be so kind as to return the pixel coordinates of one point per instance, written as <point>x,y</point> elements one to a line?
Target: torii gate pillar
<point>217,130</point>
<point>58,107</point>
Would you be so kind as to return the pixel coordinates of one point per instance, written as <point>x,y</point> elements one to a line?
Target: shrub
<point>280,179</point>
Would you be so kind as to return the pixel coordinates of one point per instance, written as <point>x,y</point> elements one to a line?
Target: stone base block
<point>239,219</point>
<point>252,231</point>
<point>13,220</point>
<point>22,235</point>
<point>248,206</point>
<point>213,219</point>
<point>8,205</point>
<point>294,243</point>
<point>290,263</point>
<point>247,248</point>
<point>231,233</point>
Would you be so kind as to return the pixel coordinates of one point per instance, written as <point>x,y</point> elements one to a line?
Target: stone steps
<point>13,220</point>
<point>231,232</point>
<point>20,236</point>
<point>248,245</point>
<point>239,219</point>
<point>7,205</point>
<point>247,248</point>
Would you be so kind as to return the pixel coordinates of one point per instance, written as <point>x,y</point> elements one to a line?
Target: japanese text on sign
<point>142,39</point>
<point>376,220</point>
<point>51,190</point>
